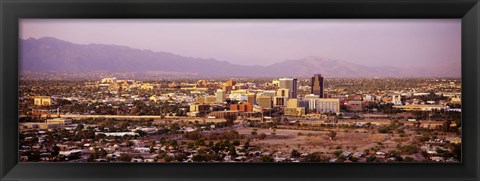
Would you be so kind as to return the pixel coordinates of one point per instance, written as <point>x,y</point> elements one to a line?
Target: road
<point>111,116</point>
<point>158,118</point>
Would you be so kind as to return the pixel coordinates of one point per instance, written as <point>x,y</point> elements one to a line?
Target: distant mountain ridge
<point>53,55</point>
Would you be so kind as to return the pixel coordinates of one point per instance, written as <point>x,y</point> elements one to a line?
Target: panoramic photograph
<point>240,90</point>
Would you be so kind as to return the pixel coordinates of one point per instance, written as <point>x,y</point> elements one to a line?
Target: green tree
<point>125,158</point>
<point>315,157</point>
<point>232,151</point>
<point>55,150</point>
<point>79,127</point>
<point>266,158</point>
<point>230,119</point>
<point>294,153</point>
<point>262,136</point>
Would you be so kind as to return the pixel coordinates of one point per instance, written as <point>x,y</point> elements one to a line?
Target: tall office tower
<point>221,96</point>
<point>294,90</point>
<point>291,84</point>
<point>317,85</point>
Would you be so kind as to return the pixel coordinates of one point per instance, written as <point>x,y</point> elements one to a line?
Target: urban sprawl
<point>312,119</point>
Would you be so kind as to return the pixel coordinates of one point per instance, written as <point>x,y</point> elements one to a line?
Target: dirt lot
<point>285,140</point>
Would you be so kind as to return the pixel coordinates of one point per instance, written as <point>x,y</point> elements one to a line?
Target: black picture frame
<point>13,10</point>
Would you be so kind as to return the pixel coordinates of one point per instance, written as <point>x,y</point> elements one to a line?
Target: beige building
<point>42,101</point>
<point>194,108</point>
<point>292,103</point>
<point>284,93</point>
<point>60,121</point>
<point>241,91</point>
<point>150,86</point>
<point>109,80</point>
<point>210,99</point>
<point>296,111</point>
<point>328,105</point>
<point>206,100</point>
<point>264,101</point>
<point>290,84</point>
<point>270,93</point>
<point>220,96</point>
<point>456,100</point>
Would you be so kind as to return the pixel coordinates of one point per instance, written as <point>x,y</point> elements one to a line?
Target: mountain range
<point>54,55</point>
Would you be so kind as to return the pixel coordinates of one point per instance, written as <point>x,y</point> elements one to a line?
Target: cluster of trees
<point>407,149</point>
<point>388,109</point>
<point>432,97</point>
<point>315,157</point>
<point>395,125</point>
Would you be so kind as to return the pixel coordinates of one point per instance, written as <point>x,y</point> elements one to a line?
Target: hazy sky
<point>263,42</point>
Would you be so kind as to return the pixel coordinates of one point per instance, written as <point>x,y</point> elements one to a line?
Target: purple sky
<point>263,42</point>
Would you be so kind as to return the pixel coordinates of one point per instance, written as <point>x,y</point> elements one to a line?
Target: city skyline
<point>265,42</point>
<point>366,91</point>
<point>356,120</point>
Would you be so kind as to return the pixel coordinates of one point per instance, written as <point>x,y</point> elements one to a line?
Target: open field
<point>285,140</point>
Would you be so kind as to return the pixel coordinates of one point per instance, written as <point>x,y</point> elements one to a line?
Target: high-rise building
<point>220,95</point>
<point>288,83</point>
<point>280,101</point>
<point>295,88</point>
<point>317,85</point>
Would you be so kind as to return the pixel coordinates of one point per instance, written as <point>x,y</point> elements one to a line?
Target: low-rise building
<point>264,101</point>
<point>222,114</point>
<point>421,107</point>
<point>355,105</point>
<point>42,101</point>
<point>296,111</point>
<point>244,107</point>
<point>61,121</point>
